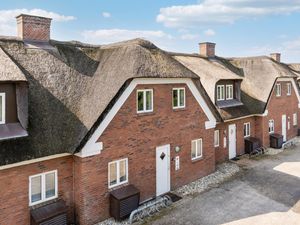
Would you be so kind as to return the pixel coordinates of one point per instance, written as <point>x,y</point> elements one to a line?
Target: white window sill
<point>118,184</point>
<point>42,201</point>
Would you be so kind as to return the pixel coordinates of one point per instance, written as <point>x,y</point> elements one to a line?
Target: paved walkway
<point>267,191</point>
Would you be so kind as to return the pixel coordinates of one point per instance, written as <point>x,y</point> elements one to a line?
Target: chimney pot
<point>207,49</point>
<point>33,28</point>
<point>276,56</point>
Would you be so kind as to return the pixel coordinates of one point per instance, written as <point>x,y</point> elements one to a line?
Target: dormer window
<point>2,108</point>
<point>229,92</point>
<point>220,93</point>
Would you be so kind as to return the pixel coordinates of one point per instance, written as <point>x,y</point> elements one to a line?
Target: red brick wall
<point>221,152</point>
<point>14,189</point>
<point>136,137</point>
<point>277,107</point>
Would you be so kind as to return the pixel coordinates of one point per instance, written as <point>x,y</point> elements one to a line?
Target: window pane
<point>123,175</point>
<point>199,148</point>
<point>194,149</point>
<point>50,185</point>
<point>1,100</point>
<point>175,98</point>
<point>112,173</point>
<point>181,94</point>
<point>148,100</point>
<point>140,101</point>
<point>36,194</point>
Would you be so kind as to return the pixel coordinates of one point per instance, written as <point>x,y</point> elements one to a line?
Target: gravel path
<point>223,172</point>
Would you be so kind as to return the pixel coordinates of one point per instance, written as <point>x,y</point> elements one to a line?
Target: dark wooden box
<point>123,201</point>
<point>276,140</point>
<point>51,214</point>
<point>251,143</point>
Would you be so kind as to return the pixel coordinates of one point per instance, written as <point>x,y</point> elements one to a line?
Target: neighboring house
<point>78,121</point>
<point>86,120</point>
<point>255,96</point>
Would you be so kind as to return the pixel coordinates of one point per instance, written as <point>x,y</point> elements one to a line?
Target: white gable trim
<point>92,147</point>
<point>286,79</point>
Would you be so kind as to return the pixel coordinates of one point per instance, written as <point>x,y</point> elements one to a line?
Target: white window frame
<point>278,90</point>
<point>43,187</point>
<point>222,92</point>
<point>248,132</point>
<point>217,138</point>
<point>271,128</point>
<point>178,102</point>
<point>118,173</point>
<point>198,154</point>
<point>289,89</point>
<point>2,120</point>
<point>295,119</point>
<point>229,86</point>
<point>144,100</point>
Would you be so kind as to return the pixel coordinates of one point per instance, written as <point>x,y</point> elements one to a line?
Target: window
<point>178,98</point>
<point>2,108</point>
<point>229,91</point>
<point>144,100</point>
<point>196,149</point>
<point>289,88</point>
<point>278,90</point>
<point>271,126</point>
<point>42,187</point>
<point>220,92</point>
<point>295,123</point>
<point>246,129</point>
<point>117,173</point>
<point>217,138</point>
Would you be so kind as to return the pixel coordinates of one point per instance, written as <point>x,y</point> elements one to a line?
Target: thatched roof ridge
<point>72,84</point>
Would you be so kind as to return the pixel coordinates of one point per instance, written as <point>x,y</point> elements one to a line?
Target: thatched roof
<point>9,71</point>
<point>72,84</point>
<point>210,71</point>
<point>258,75</point>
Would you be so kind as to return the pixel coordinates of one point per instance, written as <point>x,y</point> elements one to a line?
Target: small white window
<point>145,101</point>
<point>178,98</point>
<point>196,149</point>
<point>2,108</point>
<point>247,129</point>
<point>42,187</point>
<point>289,89</point>
<point>278,90</point>
<point>229,91</point>
<point>271,126</point>
<point>220,92</point>
<point>117,173</point>
<point>295,123</point>
<point>217,138</point>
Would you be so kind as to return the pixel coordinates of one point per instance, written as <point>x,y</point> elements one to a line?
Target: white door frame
<point>163,177</point>
<point>231,142</point>
<point>283,126</point>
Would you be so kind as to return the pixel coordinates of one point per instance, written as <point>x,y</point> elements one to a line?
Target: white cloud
<point>106,14</point>
<point>209,32</point>
<point>105,36</point>
<point>223,11</point>
<point>189,36</point>
<point>8,20</point>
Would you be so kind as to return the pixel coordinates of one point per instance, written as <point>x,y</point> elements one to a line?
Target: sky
<point>238,27</point>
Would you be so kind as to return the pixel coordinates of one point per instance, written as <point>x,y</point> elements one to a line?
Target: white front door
<point>162,169</point>
<point>283,126</point>
<point>232,141</point>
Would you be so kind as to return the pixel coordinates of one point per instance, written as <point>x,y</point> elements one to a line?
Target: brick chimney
<point>275,56</point>
<point>207,49</point>
<point>33,28</point>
